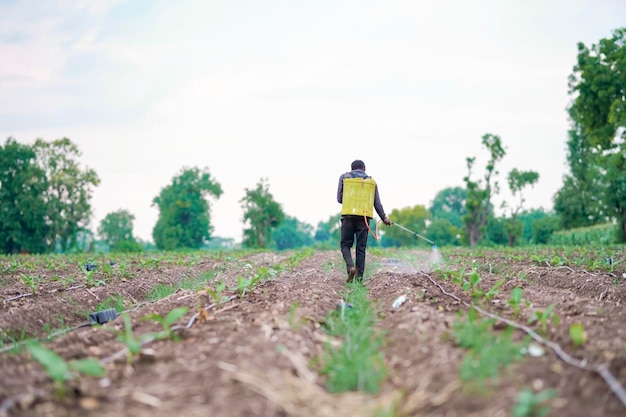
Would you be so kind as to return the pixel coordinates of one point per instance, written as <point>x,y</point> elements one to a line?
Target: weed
<point>358,363</point>
<point>160,291</point>
<point>117,302</point>
<point>488,352</point>
<point>60,371</point>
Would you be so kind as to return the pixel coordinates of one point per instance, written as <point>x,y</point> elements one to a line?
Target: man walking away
<point>358,195</point>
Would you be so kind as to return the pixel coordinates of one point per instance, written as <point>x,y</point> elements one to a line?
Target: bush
<point>601,234</point>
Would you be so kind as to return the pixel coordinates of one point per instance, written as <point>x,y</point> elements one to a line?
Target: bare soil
<point>259,354</point>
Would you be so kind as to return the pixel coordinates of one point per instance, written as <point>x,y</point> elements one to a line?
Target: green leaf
<point>87,366</point>
<point>55,366</point>
<point>516,296</point>
<point>578,334</point>
<point>174,315</point>
<point>474,278</point>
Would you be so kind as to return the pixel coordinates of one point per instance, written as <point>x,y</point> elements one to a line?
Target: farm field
<point>249,333</point>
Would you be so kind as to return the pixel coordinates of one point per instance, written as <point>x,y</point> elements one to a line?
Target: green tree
<point>443,232</point>
<point>528,218</point>
<point>116,229</point>
<point>23,225</point>
<point>329,230</point>
<point>518,180</point>
<point>449,204</point>
<point>184,212</point>
<point>413,218</point>
<point>261,214</point>
<point>577,202</point>
<point>598,85</point>
<point>543,228</point>
<point>292,234</point>
<point>479,193</point>
<point>495,233</point>
<point>70,189</point>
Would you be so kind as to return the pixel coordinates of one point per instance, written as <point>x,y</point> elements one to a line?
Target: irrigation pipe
<point>602,370</point>
<point>17,297</point>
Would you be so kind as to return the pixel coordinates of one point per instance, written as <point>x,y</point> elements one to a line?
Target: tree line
<point>45,194</point>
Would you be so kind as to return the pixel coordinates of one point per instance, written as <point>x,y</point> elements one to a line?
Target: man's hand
<point>387,221</point>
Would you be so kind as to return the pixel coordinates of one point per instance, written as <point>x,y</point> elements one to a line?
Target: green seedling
<point>242,285</point>
<point>31,281</point>
<point>494,290</point>
<point>544,317</point>
<point>471,284</point>
<point>90,279</point>
<point>166,323</point>
<point>216,293</point>
<point>516,300</point>
<point>293,320</point>
<point>458,277</point>
<point>531,404</point>
<point>60,371</point>
<point>578,334</point>
<point>132,343</point>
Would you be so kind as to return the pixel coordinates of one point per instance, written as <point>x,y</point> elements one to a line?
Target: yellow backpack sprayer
<point>358,199</point>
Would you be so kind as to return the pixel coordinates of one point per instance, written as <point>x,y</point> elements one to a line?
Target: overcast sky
<point>294,91</point>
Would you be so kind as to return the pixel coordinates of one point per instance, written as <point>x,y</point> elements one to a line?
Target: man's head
<point>358,164</point>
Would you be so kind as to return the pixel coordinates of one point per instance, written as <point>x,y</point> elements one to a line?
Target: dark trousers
<point>352,226</point>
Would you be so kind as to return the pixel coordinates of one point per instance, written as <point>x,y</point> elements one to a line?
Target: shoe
<point>351,274</point>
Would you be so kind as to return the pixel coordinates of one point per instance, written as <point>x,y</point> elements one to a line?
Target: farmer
<point>357,192</point>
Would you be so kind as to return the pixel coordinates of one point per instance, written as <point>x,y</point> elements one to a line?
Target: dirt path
<point>258,355</point>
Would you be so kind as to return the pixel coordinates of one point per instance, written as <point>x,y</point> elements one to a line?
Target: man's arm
<point>340,189</point>
<point>379,208</point>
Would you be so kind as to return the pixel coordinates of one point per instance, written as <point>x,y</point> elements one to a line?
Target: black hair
<point>358,164</point>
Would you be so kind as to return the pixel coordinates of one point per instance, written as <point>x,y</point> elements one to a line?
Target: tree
<point>578,202</point>
<point>479,194</point>
<point>449,204</point>
<point>598,84</point>
<point>116,229</point>
<point>261,214</point>
<point>529,217</point>
<point>23,225</point>
<point>184,212</point>
<point>68,197</point>
<point>329,230</point>
<point>292,234</point>
<point>443,232</point>
<point>413,218</point>
<point>518,180</point>
<point>543,228</point>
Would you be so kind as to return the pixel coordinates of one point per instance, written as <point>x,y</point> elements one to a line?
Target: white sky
<point>294,91</point>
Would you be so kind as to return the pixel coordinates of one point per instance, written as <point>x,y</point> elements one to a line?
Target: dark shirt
<point>357,173</point>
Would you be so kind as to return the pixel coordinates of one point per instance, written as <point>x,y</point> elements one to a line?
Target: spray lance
<point>416,234</point>
<point>435,256</point>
